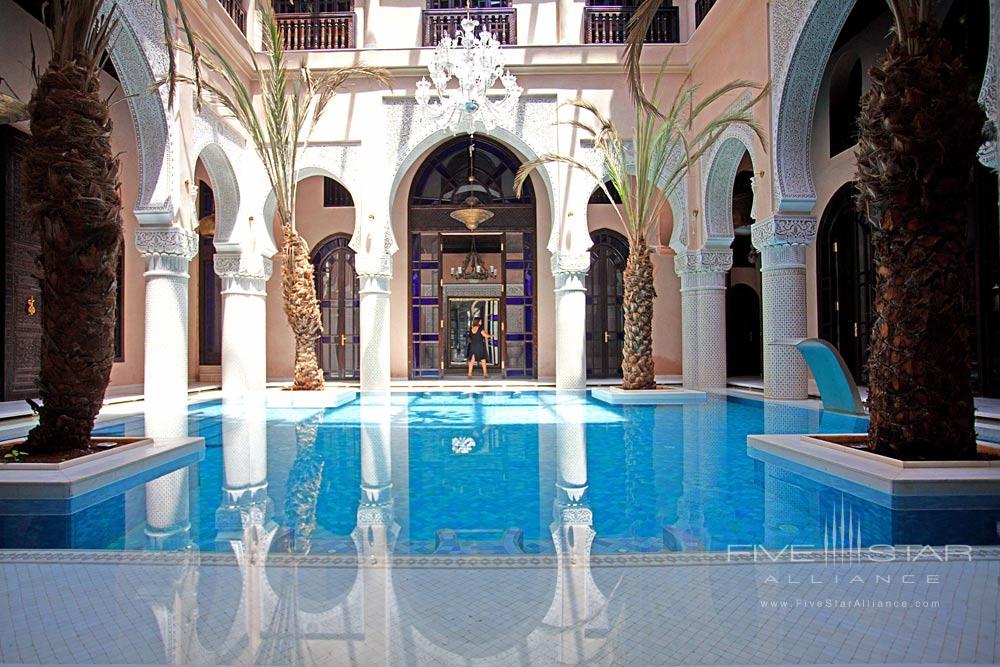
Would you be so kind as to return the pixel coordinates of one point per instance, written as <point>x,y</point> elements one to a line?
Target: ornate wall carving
<point>718,177</point>
<point>140,58</point>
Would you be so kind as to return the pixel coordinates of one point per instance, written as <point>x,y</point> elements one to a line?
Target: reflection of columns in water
<point>578,608</point>
<point>780,418</point>
<point>168,525</point>
<point>690,524</point>
<point>245,514</point>
<point>783,498</point>
<point>376,527</point>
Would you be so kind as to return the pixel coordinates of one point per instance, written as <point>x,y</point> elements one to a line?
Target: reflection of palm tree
<point>302,492</point>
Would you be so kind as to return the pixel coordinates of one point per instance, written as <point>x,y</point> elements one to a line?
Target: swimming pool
<point>496,473</point>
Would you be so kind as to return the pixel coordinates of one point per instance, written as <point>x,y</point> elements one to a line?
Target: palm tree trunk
<point>72,195</point>
<point>920,127</point>
<point>304,482</point>
<point>301,308</point>
<point>637,352</point>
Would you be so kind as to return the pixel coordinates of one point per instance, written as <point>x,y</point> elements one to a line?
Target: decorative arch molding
<point>583,185</point>
<point>341,161</point>
<point>220,148</point>
<point>724,161</point>
<point>803,33</point>
<point>528,133</point>
<point>989,94</point>
<point>140,57</point>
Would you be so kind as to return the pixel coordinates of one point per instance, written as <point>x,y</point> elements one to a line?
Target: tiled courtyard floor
<point>63,607</point>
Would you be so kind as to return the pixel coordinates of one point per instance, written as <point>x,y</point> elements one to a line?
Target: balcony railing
<point>235,10</point>
<point>317,32</point>
<point>609,25</point>
<point>500,21</point>
<point>701,8</point>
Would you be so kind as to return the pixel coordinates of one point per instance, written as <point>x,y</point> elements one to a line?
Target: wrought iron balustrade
<point>501,22</point>
<point>609,25</point>
<point>701,8</point>
<point>235,10</point>
<point>317,31</point>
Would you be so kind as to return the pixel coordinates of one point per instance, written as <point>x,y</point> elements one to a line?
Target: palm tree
<point>292,101</point>
<point>72,195</point>
<point>920,127</point>
<point>645,172</point>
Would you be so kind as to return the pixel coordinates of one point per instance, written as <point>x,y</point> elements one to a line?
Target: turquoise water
<point>493,472</point>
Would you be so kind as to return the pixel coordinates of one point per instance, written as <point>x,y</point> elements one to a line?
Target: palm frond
<point>12,110</point>
<point>638,28</point>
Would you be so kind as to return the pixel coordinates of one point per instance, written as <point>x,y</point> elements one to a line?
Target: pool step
<point>509,541</point>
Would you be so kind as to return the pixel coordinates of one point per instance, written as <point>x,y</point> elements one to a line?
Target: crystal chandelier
<point>473,268</point>
<point>476,62</point>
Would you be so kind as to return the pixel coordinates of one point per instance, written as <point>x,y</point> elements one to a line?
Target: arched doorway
<point>337,291</point>
<point>444,296</point>
<point>846,281</point>
<point>605,304</point>
<point>744,344</point>
<point>209,288</point>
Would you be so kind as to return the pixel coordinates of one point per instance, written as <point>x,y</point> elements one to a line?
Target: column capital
<point>570,262</point>
<point>796,230</point>
<point>169,241</point>
<point>243,275</point>
<point>377,265</point>
<point>703,261</point>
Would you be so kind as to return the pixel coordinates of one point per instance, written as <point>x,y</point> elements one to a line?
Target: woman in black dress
<point>477,346</point>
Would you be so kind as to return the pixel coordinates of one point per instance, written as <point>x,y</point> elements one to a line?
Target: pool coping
<point>870,471</point>
<point>758,557</point>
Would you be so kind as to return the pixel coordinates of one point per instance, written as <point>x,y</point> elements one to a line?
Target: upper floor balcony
<point>236,12</point>
<point>608,24</point>
<point>315,26</point>
<point>701,8</point>
<point>444,17</point>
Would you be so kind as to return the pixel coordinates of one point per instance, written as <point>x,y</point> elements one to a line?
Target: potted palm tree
<point>645,171</point>
<point>919,129</point>
<point>292,100</point>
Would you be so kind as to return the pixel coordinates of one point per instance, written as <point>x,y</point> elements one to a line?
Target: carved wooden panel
<point>22,299</point>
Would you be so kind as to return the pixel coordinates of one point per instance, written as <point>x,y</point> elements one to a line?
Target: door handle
<point>343,340</point>
<point>605,336</point>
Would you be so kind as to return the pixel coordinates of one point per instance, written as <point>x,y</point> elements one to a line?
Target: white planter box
<point>666,396</point>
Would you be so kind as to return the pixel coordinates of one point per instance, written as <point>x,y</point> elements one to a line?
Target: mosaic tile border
<point>72,557</point>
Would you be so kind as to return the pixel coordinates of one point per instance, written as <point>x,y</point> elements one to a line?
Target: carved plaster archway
<point>140,58</point>
<point>803,33</point>
<point>723,161</point>
<point>221,150</point>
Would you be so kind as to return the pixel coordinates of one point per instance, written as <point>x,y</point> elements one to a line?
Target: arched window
<point>335,194</point>
<point>443,180</point>
<point>598,196</point>
<point>845,103</point>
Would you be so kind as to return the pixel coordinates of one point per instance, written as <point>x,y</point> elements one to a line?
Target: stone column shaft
<point>374,274</point>
<point>570,272</point>
<point>782,242</point>
<point>244,322</point>
<point>703,313</point>
<point>167,251</point>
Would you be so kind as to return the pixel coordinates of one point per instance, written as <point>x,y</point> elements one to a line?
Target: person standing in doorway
<point>477,346</point>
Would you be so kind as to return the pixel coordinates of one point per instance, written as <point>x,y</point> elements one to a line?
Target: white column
<point>782,242</point>
<point>244,322</point>
<point>376,526</point>
<point>374,274</point>
<point>570,273</point>
<point>703,316</point>
<point>167,251</point>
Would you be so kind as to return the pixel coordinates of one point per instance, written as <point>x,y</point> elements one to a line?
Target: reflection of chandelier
<point>473,268</point>
<point>472,215</point>
<point>477,64</point>
<point>462,444</point>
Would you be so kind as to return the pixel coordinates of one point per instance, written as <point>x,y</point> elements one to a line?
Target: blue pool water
<point>494,472</point>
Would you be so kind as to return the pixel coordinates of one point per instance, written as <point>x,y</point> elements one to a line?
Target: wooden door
<point>605,304</point>
<point>337,289</point>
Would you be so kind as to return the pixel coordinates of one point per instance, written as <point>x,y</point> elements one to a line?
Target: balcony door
<point>337,290</point>
<point>605,304</point>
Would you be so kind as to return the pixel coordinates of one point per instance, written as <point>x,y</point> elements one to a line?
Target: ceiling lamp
<point>473,267</point>
<point>477,63</point>
<point>473,214</point>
